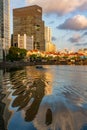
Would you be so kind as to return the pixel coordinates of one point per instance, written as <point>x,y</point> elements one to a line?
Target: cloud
<point>81,44</point>
<point>54,38</point>
<point>83,6</point>
<point>77,23</point>
<point>85,33</point>
<point>75,38</point>
<point>60,7</point>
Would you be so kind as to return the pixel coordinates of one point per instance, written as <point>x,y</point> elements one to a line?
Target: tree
<point>22,53</point>
<point>33,57</point>
<point>16,54</point>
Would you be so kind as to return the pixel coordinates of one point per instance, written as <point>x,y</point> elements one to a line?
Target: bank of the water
<point>22,63</point>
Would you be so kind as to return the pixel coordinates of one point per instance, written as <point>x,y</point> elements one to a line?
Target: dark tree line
<point>16,54</point>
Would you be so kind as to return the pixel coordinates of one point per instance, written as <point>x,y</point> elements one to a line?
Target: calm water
<point>52,98</point>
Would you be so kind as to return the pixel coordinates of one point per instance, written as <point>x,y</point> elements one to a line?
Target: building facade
<point>25,42</point>
<point>4,28</point>
<point>49,46</point>
<point>28,21</point>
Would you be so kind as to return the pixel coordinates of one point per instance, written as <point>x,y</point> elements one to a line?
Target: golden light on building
<point>27,22</point>
<point>49,46</point>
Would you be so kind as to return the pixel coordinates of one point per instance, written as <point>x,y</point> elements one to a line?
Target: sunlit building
<point>25,42</point>
<point>49,46</point>
<point>4,28</point>
<point>27,22</point>
<point>52,47</point>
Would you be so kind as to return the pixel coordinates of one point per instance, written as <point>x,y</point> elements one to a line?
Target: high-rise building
<point>28,21</point>
<point>49,46</point>
<point>25,42</point>
<point>4,28</point>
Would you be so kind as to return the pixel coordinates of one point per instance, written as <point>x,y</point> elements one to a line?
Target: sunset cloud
<point>75,38</point>
<point>77,23</point>
<point>61,8</point>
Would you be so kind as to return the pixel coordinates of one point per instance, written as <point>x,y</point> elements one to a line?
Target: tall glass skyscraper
<point>4,28</point>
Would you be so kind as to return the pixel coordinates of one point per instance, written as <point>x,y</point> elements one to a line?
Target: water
<point>50,98</point>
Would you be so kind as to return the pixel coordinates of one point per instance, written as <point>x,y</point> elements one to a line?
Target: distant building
<point>83,51</point>
<point>49,46</point>
<point>52,47</point>
<point>27,22</point>
<point>4,28</point>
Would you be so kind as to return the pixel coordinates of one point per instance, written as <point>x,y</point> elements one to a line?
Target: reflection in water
<point>26,89</point>
<point>35,91</point>
<point>48,117</point>
<point>5,114</point>
<point>2,105</point>
<point>65,115</point>
<point>84,127</point>
<point>47,99</point>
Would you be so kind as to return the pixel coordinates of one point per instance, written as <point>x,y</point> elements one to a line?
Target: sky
<point>66,18</point>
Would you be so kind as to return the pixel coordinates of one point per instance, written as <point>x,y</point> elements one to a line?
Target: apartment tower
<point>28,27</point>
<point>4,28</point>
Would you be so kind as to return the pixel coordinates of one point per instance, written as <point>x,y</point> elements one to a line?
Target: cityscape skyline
<point>67,20</point>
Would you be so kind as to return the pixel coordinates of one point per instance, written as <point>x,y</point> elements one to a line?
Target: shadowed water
<point>50,98</point>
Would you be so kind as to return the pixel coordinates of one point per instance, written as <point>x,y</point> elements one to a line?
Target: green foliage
<point>49,58</point>
<point>57,58</point>
<point>16,54</point>
<point>65,57</point>
<point>35,57</point>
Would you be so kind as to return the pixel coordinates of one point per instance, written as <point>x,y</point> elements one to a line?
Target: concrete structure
<point>49,46</point>
<point>25,42</point>
<point>4,28</point>
<point>28,21</point>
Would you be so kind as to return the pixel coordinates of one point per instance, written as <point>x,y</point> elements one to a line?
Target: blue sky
<point>67,20</point>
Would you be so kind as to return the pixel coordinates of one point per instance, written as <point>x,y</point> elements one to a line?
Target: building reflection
<point>29,87</point>
<point>34,92</point>
<point>43,74</point>
<point>48,119</point>
<point>5,113</point>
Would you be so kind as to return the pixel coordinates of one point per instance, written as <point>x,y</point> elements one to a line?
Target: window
<point>37,27</point>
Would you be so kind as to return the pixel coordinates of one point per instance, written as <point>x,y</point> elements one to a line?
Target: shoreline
<point>22,64</point>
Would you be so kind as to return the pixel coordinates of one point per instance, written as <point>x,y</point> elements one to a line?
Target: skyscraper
<point>4,28</point>
<point>28,21</point>
<point>49,46</point>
